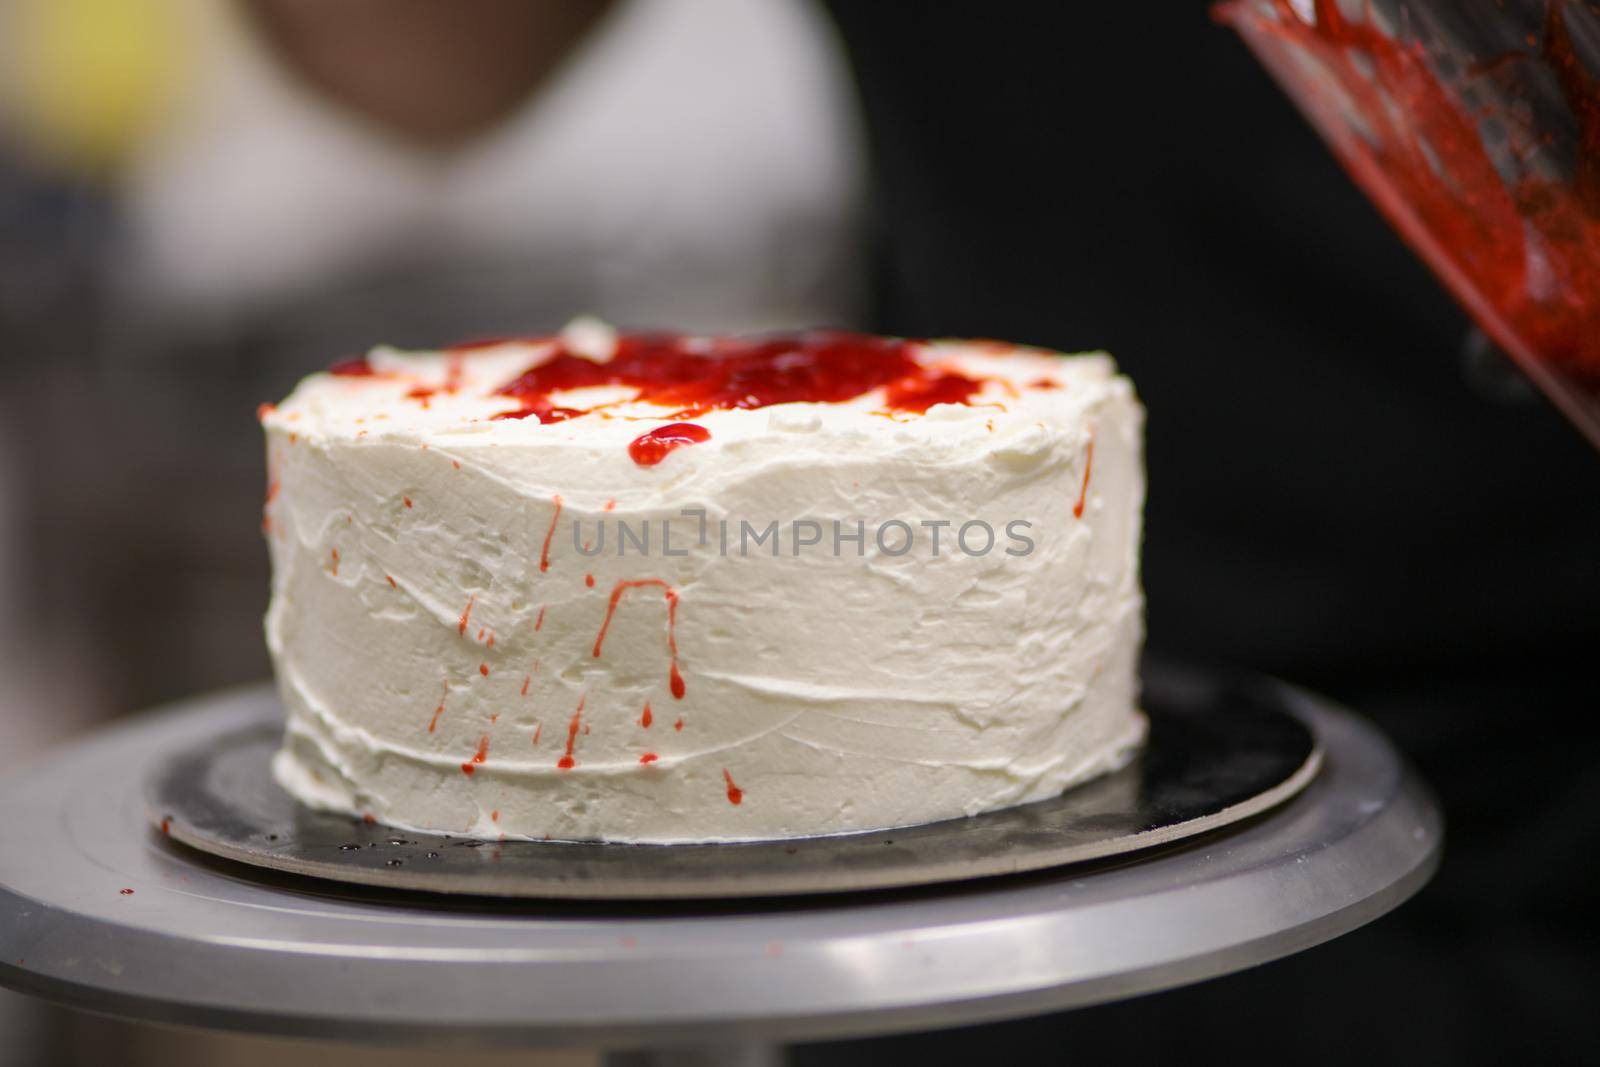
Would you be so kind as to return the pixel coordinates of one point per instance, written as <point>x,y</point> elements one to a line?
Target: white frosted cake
<point>655,589</point>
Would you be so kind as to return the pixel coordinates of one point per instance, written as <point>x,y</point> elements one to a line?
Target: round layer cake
<point>653,588</point>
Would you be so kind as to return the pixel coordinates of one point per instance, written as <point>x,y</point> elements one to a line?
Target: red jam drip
<point>433,724</point>
<point>1083,490</point>
<point>735,794</point>
<point>1522,254</point>
<point>567,762</point>
<point>674,679</point>
<point>651,448</point>
<point>353,368</point>
<point>695,375</point>
<point>470,767</point>
<point>544,553</point>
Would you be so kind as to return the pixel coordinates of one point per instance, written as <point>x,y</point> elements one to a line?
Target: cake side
<point>491,618</point>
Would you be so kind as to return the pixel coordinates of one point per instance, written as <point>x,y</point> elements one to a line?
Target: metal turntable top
<point>100,911</point>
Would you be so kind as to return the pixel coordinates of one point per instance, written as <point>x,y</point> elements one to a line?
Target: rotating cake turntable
<point>1200,771</point>
<point>1227,860</point>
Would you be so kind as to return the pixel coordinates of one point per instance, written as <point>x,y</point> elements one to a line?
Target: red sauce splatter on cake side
<point>674,678</point>
<point>483,669</point>
<point>735,794</point>
<point>1083,490</point>
<point>588,580</point>
<point>333,566</point>
<point>649,757</point>
<point>526,678</point>
<point>434,723</point>
<point>392,583</point>
<point>544,553</point>
<point>407,500</point>
<point>679,724</point>
<point>466,615</point>
<point>266,513</point>
<point>652,447</point>
<point>471,766</point>
<point>646,719</point>
<point>566,762</point>
<point>538,729</point>
<point>538,623</point>
<point>125,892</point>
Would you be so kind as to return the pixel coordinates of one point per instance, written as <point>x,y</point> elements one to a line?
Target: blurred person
<point>257,189</point>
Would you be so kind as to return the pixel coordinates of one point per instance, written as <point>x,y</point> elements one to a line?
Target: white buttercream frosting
<point>438,675</point>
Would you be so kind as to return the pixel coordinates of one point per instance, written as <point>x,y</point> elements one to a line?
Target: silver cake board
<point>1207,763</point>
<point>103,912</point>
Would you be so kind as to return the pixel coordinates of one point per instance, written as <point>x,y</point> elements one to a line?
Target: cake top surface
<point>650,395</point>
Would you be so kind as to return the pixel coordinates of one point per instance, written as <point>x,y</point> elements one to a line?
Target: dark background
<point>1333,497</point>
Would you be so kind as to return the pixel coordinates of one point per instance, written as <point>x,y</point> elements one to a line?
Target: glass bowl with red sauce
<point>1474,126</point>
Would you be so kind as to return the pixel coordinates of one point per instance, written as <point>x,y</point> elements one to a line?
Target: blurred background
<point>203,200</point>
